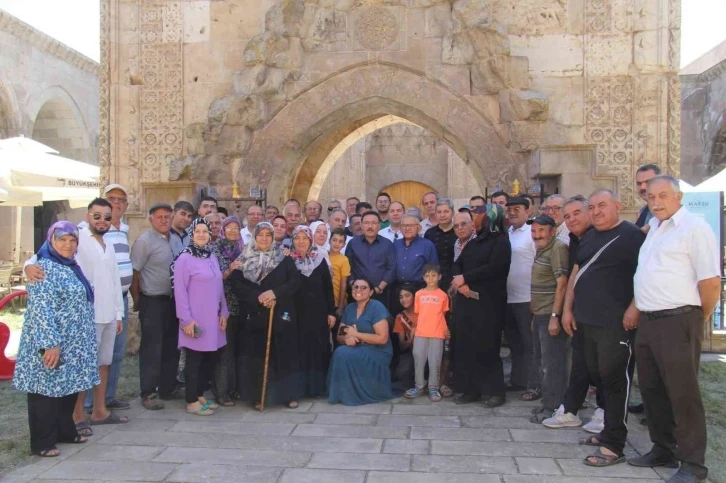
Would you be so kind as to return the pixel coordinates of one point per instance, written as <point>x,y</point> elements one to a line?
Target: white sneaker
<point>597,422</point>
<point>560,419</point>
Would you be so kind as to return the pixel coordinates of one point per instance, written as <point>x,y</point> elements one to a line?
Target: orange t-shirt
<point>401,327</point>
<point>430,307</point>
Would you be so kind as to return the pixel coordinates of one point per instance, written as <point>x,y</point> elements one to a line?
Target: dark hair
<point>280,217</point>
<point>338,231</point>
<point>383,193</point>
<point>365,279</point>
<point>400,203</point>
<point>649,167</point>
<point>497,194</point>
<point>100,202</point>
<point>464,209</point>
<point>363,204</point>
<point>353,198</point>
<point>183,205</point>
<point>408,288</point>
<point>223,210</point>
<point>478,197</point>
<point>371,213</point>
<point>431,267</point>
<point>354,215</point>
<point>207,198</point>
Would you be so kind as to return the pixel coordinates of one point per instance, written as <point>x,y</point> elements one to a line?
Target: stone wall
<point>261,92</point>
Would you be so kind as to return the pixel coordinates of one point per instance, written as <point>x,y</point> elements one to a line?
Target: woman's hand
<point>339,311</point>
<point>222,323</point>
<point>51,357</point>
<point>331,321</point>
<point>352,331</point>
<point>351,341</point>
<point>286,252</point>
<point>235,265</point>
<point>189,329</point>
<point>457,281</point>
<point>266,298</point>
<point>465,290</point>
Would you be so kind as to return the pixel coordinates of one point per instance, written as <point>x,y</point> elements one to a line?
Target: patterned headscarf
<point>230,249</point>
<point>306,263</point>
<point>489,219</point>
<point>47,251</point>
<point>193,249</point>
<point>257,264</point>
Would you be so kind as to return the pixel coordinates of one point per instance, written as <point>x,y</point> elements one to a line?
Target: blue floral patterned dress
<point>59,314</point>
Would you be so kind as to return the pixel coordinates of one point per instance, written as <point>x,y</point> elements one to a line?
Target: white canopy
<point>714,183</point>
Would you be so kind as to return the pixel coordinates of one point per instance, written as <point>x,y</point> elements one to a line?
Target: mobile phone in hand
<point>60,359</point>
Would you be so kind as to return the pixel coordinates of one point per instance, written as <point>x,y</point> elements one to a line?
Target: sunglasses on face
<point>98,216</point>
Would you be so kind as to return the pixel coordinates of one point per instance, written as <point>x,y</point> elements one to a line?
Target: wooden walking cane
<point>261,405</point>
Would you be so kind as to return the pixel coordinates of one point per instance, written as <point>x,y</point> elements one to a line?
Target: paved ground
<point>402,441</point>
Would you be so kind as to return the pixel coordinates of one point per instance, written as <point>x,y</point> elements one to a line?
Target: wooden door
<point>408,192</point>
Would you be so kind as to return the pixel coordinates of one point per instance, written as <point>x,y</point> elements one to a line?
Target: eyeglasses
<point>114,199</point>
<point>461,225</point>
<point>410,225</point>
<point>553,209</point>
<point>98,216</point>
<point>360,287</point>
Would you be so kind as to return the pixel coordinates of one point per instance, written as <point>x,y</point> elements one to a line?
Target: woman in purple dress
<point>202,311</point>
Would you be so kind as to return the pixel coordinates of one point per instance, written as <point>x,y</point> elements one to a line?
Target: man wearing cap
<point>518,324</point>
<point>549,283</point>
<point>151,257</point>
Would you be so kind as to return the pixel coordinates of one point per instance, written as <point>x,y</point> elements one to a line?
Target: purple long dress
<point>199,295</point>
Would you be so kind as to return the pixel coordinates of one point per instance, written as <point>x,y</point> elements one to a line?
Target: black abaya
<point>484,263</point>
<point>283,375</point>
<point>314,303</point>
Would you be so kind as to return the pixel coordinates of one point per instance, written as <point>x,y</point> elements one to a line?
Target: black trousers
<point>518,329</point>
<point>668,353</point>
<point>158,354</point>
<point>198,372</point>
<point>608,351</point>
<point>51,421</point>
<point>580,381</point>
<point>225,372</point>
<point>394,308</point>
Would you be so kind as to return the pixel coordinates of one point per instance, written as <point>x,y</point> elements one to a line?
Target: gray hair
<point>445,201</point>
<point>611,193</point>
<point>415,212</point>
<point>338,210</point>
<point>675,184</point>
<point>556,197</point>
<point>213,214</point>
<point>576,199</point>
<point>430,193</point>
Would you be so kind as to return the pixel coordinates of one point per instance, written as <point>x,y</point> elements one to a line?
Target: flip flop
<point>111,419</point>
<point>603,459</point>
<point>84,429</point>
<point>48,453</point>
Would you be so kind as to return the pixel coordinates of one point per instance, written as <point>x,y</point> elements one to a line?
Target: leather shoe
<point>684,476</point>
<point>652,459</point>
<point>494,401</point>
<point>466,398</point>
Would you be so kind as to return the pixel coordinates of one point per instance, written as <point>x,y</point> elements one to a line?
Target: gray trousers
<point>431,350</point>
<point>550,359</point>
<point>519,335</point>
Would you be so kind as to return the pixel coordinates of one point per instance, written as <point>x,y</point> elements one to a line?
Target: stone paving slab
<point>464,464</point>
<point>504,422</point>
<point>285,459</point>
<point>112,452</point>
<point>461,434</point>
<point>572,467</point>
<point>438,421</point>
<point>569,479</point>
<point>213,426</point>
<point>352,431</point>
<point>359,419</point>
<point>322,476</point>
<point>109,471</point>
<point>473,448</point>
<point>388,462</point>
<point>407,446</point>
<point>416,477</point>
<point>537,466</point>
<point>194,473</point>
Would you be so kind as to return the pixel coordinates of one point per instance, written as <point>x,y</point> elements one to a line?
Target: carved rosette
<point>376,28</point>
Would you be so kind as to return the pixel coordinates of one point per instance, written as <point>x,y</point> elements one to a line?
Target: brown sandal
<point>531,395</point>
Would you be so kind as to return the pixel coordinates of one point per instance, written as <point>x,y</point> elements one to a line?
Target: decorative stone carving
<point>376,28</point>
<point>519,105</point>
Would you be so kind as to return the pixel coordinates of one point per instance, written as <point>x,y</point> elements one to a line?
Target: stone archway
<point>283,155</point>
<point>58,123</point>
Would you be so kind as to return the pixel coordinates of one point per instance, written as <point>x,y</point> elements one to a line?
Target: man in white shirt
<point>519,293</point>
<point>254,216</point>
<point>677,286</point>
<point>429,201</point>
<point>392,232</point>
<point>97,260</point>
<point>553,207</point>
<point>338,219</point>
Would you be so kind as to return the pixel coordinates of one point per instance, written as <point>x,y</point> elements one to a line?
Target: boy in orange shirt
<point>430,306</point>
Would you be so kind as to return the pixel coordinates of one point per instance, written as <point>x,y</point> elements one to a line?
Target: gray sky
<point>76,24</point>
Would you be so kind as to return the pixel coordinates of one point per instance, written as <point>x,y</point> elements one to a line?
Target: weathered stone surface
<point>195,138</point>
<point>305,475</point>
<point>248,111</point>
<point>259,80</point>
<point>194,473</point>
<point>499,73</point>
<point>285,18</point>
<point>467,13</point>
<point>489,39</point>
<point>456,48</point>
<point>438,20</point>
<point>537,466</point>
<point>361,462</point>
<point>456,77</point>
<point>519,105</point>
<point>263,48</point>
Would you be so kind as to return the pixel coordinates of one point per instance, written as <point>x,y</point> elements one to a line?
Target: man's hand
<point>465,290</point>
<point>331,321</point>
<point>554,327</point>
<point>630,319</point>
<point>119,327</point>
<point>569,324</point>
<point>34,273</point>
<point>457,281</point>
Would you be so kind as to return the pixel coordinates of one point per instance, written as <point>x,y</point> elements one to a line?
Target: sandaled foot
<point>111,419</point>
<point>413,393</point>
<point>293,405</point>
<point>434,395</point>
<point>48,453</point>
<point>590,441</point>
<point>531,395</point>
<point>201,410</point>
<point>84,429</point>
<point>600,459</point>
<point>79,440</point>
<point>446,391</point>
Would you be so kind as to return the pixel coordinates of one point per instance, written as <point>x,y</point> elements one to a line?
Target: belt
<point>157,296</point>
<point>660,314</point>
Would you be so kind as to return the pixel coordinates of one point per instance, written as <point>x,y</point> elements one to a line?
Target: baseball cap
<point>159,206</point>
<point>114,186</point>
<point>543,220</point>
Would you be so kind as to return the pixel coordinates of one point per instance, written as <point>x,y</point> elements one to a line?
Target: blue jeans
<point>119,351</point>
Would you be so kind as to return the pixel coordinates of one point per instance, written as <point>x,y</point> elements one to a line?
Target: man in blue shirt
<point>412,254</point>
<point>372,257</point>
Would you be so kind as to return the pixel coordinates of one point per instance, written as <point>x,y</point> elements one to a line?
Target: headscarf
<point>257,264</point>
<point>313,227</point>
<point>227,248</point>
<point>193,249</point>
<point>47,251</point>
<point>489,219</point>
<point>306,263</point>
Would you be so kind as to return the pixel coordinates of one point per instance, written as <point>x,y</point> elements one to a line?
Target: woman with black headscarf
<point>480,274</point>
<point>267,276</point>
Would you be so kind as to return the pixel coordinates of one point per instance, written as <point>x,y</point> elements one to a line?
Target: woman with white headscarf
<point>321,235</point>
<point>315,304</point>
<point>265,276</point>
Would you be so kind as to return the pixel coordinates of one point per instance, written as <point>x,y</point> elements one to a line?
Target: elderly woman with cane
<point>57,355</point>
<point>265,280</point>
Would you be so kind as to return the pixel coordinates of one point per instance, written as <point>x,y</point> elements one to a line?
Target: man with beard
<point>429,201</point>
<point>383,202</point>
<point>644,174</point>
<point>97,260</point>
<point>372,257</point>
<point>395,214</point>
<point>600,302</point>
<point>181,219</point>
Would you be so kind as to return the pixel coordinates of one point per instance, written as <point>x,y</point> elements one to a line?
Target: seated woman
<point>57,355</point>
<point>359,371</point>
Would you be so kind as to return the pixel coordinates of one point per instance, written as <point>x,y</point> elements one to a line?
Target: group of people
<point>341,307</point>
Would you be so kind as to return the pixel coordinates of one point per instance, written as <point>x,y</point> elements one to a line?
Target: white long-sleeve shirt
<point>100,268</point>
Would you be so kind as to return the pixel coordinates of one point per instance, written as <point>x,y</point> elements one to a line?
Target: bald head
<point>463,225</point>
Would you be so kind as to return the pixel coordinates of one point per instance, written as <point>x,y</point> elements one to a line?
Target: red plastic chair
<point>7,365</point>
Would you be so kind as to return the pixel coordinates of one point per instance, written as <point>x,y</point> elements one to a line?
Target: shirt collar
<point>677,217</point>
<point>158,234</point>
<point>181,235</point>
<point>521,228</point>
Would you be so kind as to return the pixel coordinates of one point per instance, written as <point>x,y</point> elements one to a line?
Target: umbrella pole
<point>261,406</point>
<point>18,231</point>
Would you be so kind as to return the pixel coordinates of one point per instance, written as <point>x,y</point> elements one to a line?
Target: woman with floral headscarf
<point>202,311</point>
<point>315,304</point>
<point>229,247</point>
<point>480,277</point>
<point>57,354</point>
<point>265,276</point>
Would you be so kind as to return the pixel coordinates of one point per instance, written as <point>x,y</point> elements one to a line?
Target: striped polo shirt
<point>119,238</point>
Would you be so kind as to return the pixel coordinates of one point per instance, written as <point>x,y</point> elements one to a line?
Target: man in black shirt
<point>443,237</point>
<point>600,303</point>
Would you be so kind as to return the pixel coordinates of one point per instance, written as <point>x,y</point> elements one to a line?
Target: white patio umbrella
<point>22,143</point>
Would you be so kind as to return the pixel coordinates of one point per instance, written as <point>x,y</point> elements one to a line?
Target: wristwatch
<point>555,315</point>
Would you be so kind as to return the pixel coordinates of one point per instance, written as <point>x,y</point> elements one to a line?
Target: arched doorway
<point>408,192</point>
<point>56,126</point>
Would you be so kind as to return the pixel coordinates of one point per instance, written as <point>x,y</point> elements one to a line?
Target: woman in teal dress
<point>57,357</point>
<point>359,371</point>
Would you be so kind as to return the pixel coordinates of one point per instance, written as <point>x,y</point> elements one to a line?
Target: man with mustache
<point>372,257</point>
<point>644,174</point>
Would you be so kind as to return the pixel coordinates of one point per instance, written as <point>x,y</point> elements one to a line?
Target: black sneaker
<point>652,459</point>
<point>152,402</point>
